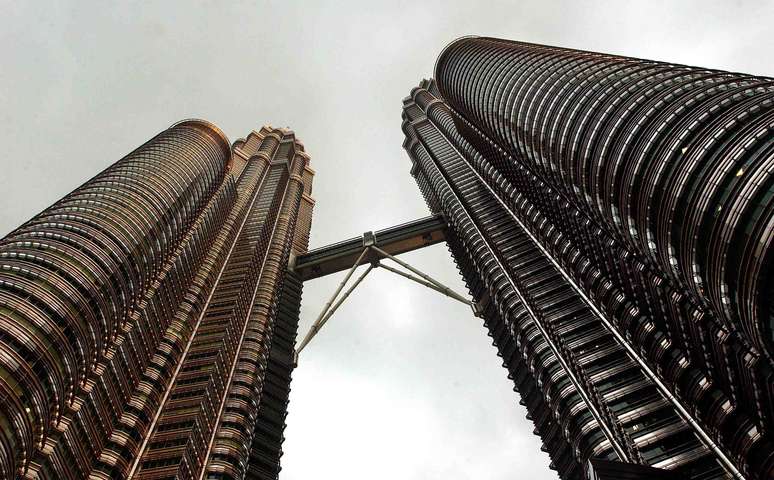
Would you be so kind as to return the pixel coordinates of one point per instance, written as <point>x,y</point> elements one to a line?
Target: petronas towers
<point>613,219</point>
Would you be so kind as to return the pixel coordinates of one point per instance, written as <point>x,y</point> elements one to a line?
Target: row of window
<point>586,348</point>
<point>661,291</point>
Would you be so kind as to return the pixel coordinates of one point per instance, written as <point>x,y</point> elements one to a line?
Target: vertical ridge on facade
<point>137,313</point>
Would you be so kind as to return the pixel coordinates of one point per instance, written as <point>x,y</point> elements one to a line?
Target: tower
<point>147,320</point>
<point>613,219</point>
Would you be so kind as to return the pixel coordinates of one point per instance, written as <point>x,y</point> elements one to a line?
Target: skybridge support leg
<point>330,307</point>
<point>430,279</point>
<point>444,290</point>
<point>316,325</point>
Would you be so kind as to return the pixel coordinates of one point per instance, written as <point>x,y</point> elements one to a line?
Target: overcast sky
<point>402,382</point>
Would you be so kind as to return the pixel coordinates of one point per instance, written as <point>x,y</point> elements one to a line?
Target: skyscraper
<point>613,218</point>
<point>147,319</point>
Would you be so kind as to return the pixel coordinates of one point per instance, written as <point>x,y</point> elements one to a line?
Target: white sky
<point>402,382</point>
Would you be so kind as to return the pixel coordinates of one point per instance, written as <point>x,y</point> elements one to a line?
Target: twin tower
<point>613,219</point>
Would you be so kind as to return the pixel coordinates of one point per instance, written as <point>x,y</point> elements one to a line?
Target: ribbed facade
<point>614,219</point>
<point>145,318</point>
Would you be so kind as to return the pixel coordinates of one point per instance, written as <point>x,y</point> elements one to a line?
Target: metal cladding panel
<point>208,424</point>
<point>604,470</point>
<point>137,314</point>
<point>649,185</point>
<point>674,162</point>
<point>558,300</point>
<point>76,277</point>
<point>266,451</point>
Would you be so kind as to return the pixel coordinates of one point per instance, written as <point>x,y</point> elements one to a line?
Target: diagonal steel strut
<point>439,286</point>
<point>330,308</point>
<point>316,325</point>
<point>444,290</point>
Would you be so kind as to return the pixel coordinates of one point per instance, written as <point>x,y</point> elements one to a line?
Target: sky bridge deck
<point>394,240</point>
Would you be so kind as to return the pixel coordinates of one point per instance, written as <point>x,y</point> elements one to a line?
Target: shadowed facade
<point>613,218</point>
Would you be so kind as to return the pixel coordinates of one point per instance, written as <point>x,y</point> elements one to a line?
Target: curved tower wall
<point>111,297</point>
<point>674,162</point>
<point>72,277</point>
<point>647,188</point>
